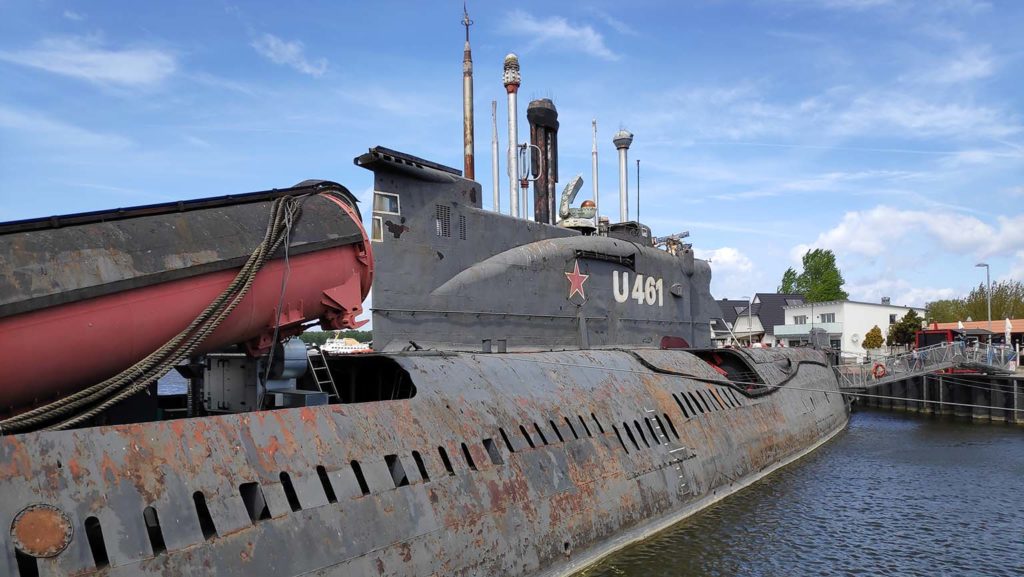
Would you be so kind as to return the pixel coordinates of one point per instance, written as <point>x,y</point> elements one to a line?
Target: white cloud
<point>290,54</point>
<point>726,259</point>
<point>874,232</point>
<point>72,15</point>
<point>904,115</point>
<point>85,59</point>
<point>54,133</point>
<point>558,32</point>
<point>900,291</point>
<point>969,65</point>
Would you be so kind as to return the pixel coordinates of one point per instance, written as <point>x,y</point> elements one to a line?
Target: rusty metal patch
<point>41,530</point>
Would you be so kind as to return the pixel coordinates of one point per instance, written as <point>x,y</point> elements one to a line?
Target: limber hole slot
<point>255,502</point>
<point>357,469</point>
<point>585,427</point>
<point>205,519</point>
<point>94,534</point>
<point>156,535</point>
<point>508,442</point>
<point>557,432</point>
<point>289,491</point>
<point>28,566</point>
<point>492,452</point>
<point>468,456</point>
<point>421,466</point>
<point>619,435</point>
<point>529,440</point>
<point>397,470</point>
<point>325,481</point>
<point>444,459</point>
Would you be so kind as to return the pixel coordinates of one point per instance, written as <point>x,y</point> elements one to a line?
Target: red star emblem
<point>576,280</point>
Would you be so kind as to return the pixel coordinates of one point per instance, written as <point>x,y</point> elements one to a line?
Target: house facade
<point>752,323</point>
<point>845,322</point>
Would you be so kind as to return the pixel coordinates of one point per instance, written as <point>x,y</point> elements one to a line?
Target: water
<point>892,495</point>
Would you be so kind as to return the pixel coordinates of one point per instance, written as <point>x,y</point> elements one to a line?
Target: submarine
<point>541,392</point>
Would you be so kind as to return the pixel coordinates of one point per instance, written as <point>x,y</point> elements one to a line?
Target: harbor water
<point>895,494</point>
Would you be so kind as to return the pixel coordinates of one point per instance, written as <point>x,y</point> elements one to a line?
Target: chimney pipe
<point>543,118</point>
<point>622,140</point>
<point>494,156</point>
<point>512,79</point>
<point>467,102</point>
<point>597,202</point>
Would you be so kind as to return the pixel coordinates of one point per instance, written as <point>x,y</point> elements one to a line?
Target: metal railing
<point>878,371</point>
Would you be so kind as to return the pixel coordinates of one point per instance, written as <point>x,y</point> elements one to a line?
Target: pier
<point>977,382</point>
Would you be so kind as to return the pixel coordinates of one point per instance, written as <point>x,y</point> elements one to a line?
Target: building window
<point>892,319</point>
<point>835,344</point>
<point>800,320</point>
<point>828,317</point>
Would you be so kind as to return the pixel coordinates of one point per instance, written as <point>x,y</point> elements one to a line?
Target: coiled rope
<point>87,403</point>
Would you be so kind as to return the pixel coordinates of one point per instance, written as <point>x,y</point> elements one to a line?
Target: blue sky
<point>889,131</point>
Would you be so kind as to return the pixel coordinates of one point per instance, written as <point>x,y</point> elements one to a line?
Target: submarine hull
<point>466,475</point>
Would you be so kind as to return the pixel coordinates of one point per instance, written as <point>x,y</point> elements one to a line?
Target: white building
<point>846,322</point>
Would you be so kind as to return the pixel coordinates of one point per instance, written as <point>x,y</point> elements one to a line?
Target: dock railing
<point>982,357</point>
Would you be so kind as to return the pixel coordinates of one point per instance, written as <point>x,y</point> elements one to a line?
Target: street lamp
<point>750,321</point>
<point>988,294</point>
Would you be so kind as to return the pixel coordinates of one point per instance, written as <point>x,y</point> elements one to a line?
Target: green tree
<point>946,311</point>
<point>820,280</point>
<point>788,285</point>
<point>873,339</point>
<point>904,332</point>
<point>1007,302</point>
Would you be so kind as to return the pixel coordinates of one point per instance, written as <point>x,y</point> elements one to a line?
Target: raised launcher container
<point>99,291</point>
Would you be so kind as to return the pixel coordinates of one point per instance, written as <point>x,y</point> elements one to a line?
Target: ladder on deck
<point>322,373</point>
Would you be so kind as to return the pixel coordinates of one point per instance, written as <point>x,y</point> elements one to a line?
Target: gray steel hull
<point>576,495</point>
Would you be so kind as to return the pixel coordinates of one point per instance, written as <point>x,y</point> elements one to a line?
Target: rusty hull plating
<point>555,459</point>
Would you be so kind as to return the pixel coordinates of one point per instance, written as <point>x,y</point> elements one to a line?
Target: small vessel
<point>338,345</point>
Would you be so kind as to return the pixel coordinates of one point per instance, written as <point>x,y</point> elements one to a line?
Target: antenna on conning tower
<point>469,170</point>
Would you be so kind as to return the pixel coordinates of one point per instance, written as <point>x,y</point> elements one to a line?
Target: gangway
<point>981,357</point>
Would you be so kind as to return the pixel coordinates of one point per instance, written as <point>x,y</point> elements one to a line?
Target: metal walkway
<point>858,378</point>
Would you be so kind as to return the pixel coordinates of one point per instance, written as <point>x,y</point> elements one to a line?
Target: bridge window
<point>386,202</point>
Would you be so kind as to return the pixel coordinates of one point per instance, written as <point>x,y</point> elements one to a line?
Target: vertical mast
<point>469,170</point>
<point>597,203</point>
<point>622,140</point>
<point>511,79</point>
<point>494,155</point>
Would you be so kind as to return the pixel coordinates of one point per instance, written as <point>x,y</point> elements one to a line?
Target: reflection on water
<point>894,494</point>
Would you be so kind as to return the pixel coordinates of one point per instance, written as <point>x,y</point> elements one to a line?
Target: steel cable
<point>284,212</point>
